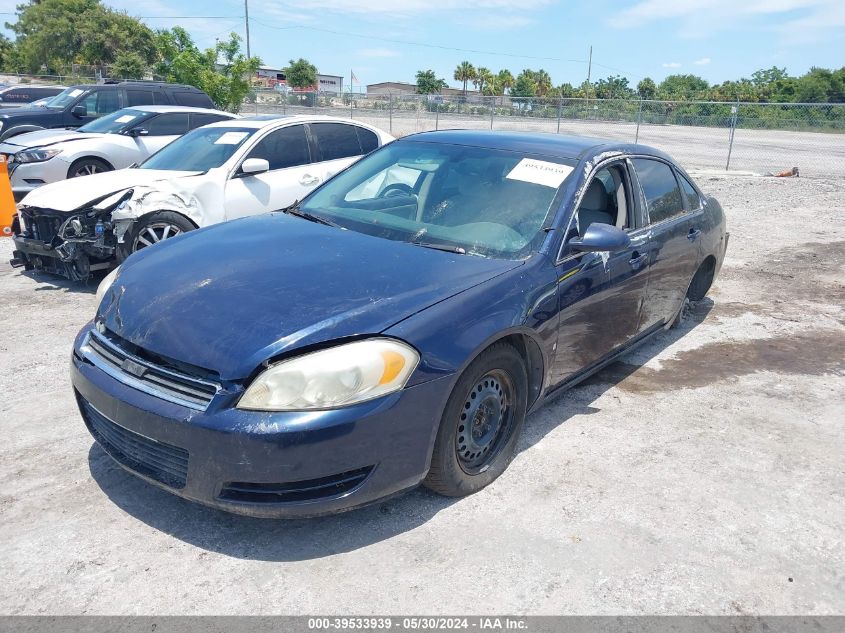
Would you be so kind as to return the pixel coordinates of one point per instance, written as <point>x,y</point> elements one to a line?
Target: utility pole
<point>246,24</point>
<point>589,62</point>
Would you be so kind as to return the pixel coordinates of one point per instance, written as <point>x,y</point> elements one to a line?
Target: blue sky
<point>383,40</point>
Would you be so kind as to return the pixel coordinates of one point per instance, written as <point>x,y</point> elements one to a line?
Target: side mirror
<point>79,111</point>
<point>601,237</point>
<point>135,132</point>
<point>254,166</point>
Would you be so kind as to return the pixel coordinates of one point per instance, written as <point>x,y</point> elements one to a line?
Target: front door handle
<point>308,179</point>
<point>638,260</point>
<point>693,234</point>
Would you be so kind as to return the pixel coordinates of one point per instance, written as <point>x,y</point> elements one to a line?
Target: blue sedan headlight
<point>334,377</point>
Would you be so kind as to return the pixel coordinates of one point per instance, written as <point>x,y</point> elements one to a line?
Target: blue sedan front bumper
<point>263,464</point>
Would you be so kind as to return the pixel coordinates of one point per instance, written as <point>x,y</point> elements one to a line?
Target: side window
<point>335,140</point>
<point>662,194</point>
<point>194,99</point>
<point>100,102</point>
<point>139,97</point>
<point>367,139</point>
<point>198,120</point>
<point>167,124</point>
<point>690,194</point>
<point>287,147</point>
<point>605,201</point>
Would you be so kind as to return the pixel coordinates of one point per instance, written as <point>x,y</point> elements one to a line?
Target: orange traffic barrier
<point>7,200</point>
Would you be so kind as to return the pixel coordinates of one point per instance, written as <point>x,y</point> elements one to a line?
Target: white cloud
<point>377,52</point>
<point>499,22</point>
<point>802,20</point>
<point>702,62</point>
<point>671,65</point>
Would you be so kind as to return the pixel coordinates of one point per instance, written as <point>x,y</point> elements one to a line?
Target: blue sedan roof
<point>559,145</point>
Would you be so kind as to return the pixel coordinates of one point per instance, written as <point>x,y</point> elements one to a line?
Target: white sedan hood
<point>71,194</point>
<point>46,137</point>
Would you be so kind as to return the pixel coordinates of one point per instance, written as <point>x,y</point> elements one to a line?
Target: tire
<point>87,167</point>
<point>702,280</point>
<point>152,228</point>
<point>481,424</point>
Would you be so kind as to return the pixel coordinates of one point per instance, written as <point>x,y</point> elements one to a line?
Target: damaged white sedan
<point>215,173</point>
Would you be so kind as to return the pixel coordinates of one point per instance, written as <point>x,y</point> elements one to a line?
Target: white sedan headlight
<point>334,377</point>
<point>36,155</point>
<point>106,283</point>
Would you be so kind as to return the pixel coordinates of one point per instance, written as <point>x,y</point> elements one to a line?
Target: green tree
<point>56,33</point>
<point>483,78</point>
<point>524,85</point>
<point>682,87</point>
<point>301,74</point>
<point>128,65</point>
<point>428,83</point>
<point>543,83</point>
<point>465,72</point>
<point>647,89</point>
<point>505,80</point>
<point>614,87</point>
<point>223,72</point>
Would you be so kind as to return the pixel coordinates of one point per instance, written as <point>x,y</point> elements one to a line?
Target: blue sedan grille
<point>161,462</point>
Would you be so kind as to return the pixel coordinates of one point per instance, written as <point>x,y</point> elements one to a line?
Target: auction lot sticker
<point>540,172</point>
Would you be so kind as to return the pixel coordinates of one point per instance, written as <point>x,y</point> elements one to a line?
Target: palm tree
<point>543,81</point>
<point>483,77</point>
<point>465,72</point>
<point>505,80</point>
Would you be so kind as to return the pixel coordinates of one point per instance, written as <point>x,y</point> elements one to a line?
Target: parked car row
<point>390,322</point>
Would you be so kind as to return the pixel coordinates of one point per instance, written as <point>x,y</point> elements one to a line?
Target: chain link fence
<point>755,137</point>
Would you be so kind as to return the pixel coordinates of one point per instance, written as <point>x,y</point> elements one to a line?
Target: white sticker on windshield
<point>540,172</point>
<point>231,138</point>
<point>76,92</point>
<point>126,118</point>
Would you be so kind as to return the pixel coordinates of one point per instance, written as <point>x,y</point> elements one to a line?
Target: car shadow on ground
<point>50,282</point>
<point>306,539</point>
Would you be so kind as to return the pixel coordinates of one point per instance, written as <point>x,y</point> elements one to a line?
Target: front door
<point>291,177</point>
<point>601,294</point>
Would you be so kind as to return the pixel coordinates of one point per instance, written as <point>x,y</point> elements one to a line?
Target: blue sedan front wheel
<point>481,423</point>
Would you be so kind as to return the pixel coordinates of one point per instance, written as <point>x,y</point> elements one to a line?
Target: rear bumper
<point>292,464</point>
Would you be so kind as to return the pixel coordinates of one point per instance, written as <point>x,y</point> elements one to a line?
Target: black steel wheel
<point>480,424</point>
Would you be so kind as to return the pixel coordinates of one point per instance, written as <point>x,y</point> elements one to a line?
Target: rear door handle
<point>693,234</point>
<point>308,179</point>
<point>638,260</point>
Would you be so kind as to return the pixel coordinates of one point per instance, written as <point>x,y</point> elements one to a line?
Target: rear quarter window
<point>193,99</point>
<point>367,139</point>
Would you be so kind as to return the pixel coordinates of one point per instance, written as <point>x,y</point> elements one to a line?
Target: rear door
<point>336,146</point>
<point>291,176</point>
<point>673,245</point>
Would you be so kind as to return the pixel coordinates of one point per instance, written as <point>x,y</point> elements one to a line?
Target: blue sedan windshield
<point>474,200</point>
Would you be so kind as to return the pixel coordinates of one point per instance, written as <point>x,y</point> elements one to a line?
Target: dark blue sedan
<point>396,326</point>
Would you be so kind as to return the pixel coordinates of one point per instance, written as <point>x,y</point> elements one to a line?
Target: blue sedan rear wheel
<point>481,423</point>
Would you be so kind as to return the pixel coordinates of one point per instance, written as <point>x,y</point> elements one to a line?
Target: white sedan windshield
<point>200,150</point>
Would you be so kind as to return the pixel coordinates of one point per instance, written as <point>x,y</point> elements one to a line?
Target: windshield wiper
<point>441,247</point>
<point>307,215</point>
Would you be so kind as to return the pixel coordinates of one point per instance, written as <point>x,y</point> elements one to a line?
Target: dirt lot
<point>702,475</point>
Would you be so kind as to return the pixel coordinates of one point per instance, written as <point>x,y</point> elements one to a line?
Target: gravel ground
<point>704,474</point>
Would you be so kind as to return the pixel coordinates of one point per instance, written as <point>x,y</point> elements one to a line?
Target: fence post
<point>559,112</point>
<point>390,106</point>
<point>492,110</point>
<point>350,102</point>
<point>734,112</point>
<point>436,115</point>
<point>639,117</point>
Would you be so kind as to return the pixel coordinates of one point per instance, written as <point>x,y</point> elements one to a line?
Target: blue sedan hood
<point>229,297</point>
